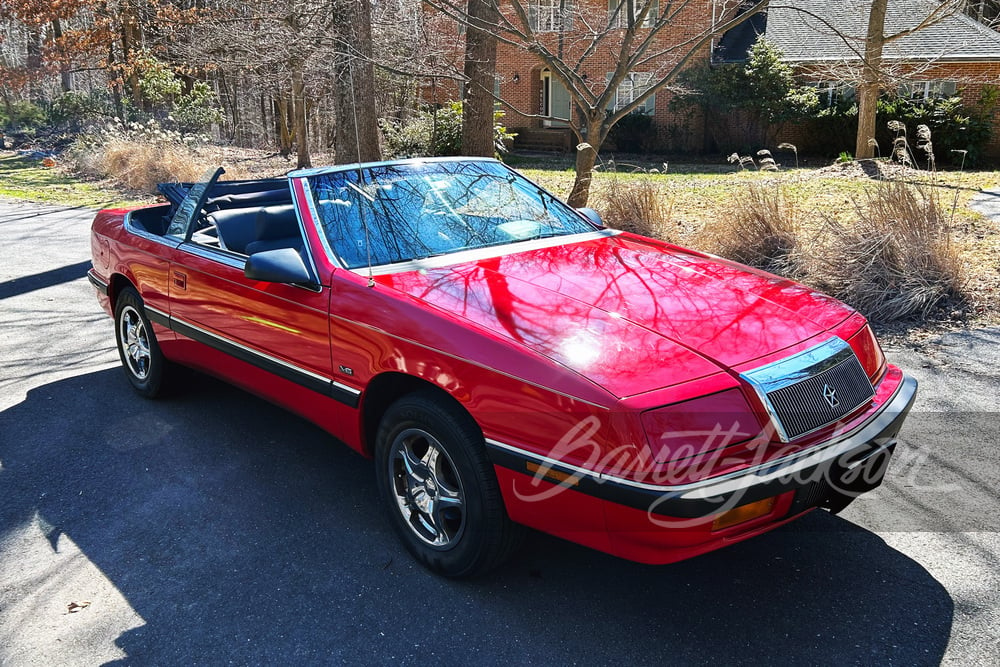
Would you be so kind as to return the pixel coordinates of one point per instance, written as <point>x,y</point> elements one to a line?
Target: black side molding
<point>321,385</point>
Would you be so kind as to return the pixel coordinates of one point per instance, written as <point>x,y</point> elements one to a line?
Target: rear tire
<point>440,488</point>
<point>142,360</point>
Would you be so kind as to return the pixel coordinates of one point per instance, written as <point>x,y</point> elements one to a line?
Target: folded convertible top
<point>227,194</point>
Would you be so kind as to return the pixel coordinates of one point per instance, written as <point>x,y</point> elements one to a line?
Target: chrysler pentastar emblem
<point>830,396</point>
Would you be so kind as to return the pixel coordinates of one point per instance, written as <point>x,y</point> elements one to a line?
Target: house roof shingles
<point>795,27</point>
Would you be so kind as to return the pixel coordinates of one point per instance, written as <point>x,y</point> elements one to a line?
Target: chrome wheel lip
<point>427,489</point>
<point>135,342</point>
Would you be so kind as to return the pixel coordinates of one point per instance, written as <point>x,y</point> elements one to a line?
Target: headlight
<point>700,425</point>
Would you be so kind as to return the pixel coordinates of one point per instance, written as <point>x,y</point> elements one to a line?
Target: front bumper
<point>664,523</point>
<point>845,467</point>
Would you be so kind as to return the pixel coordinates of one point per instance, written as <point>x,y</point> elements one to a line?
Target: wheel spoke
<point>450,497</point>
<point>430,459</point>
<point>416,471</point>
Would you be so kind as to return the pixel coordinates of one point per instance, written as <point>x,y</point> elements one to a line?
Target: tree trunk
<point>65,75</point>
<point>480,73</point>
<point>868,91</point>
<point>281,121</point>
<point>131,39</point>
<point>33,48</point>
<point>357,125</point>
<point>303,160</point>
<point>586,158</point>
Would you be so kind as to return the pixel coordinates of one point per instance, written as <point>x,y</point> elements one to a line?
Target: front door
<point>555,101</point>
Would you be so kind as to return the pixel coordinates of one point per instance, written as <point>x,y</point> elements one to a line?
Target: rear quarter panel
<point>122,257</point>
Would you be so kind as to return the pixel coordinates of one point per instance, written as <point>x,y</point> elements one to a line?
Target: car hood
<point>630,314</point>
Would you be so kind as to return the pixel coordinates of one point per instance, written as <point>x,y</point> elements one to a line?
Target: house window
<point>632,88</point>
<point>550,15</point>
<point>618,12</point>
<point>832,93</point>
<point>925,90</point>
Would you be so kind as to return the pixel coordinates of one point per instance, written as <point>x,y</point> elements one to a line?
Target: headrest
<point>277,222</point>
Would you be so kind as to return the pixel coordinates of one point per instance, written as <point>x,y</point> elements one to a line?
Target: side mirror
<point>283,265</point>
<point>592,215</point>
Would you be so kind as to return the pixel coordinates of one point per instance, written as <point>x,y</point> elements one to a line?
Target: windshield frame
<point>305,176</point>
<point>192,204</point>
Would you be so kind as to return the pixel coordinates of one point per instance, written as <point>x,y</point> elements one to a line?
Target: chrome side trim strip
<point>538,458</point>
<point>344,387</point>
<point>329,387</point>
<point>157,315</point>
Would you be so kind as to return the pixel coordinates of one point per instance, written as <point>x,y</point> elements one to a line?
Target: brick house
<point>538,106</point>
<point>953,55</point>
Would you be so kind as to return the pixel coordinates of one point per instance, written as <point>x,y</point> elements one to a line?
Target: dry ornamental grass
<point>760,228</point>
<point>635,205</point>
<point>897,260</point>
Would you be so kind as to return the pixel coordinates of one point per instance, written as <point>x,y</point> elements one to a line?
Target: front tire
<point>440,489</point>
<point>140,354</point>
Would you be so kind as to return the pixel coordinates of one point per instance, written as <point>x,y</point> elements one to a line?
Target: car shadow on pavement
<point>63,274</point>
<point>240,533</point>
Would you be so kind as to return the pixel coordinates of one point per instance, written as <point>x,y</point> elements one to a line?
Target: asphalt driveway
<point>212,527</point>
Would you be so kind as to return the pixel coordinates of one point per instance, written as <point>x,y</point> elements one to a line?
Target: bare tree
<point>655,37</point>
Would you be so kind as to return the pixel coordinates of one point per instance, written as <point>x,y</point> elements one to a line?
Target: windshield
<point>399,212</point>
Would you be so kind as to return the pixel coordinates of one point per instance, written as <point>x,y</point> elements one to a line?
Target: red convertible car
<point>508,361</point>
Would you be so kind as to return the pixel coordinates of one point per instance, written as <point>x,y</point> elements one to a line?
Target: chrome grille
<point>812,389</point>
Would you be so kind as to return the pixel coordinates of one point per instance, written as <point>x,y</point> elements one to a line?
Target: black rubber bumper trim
<point>829,463</point>
<point>98,284</point>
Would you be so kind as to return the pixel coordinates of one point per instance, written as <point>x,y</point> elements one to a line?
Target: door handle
<point>180,280</point>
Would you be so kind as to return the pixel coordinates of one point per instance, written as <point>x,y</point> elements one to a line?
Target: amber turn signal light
<point>743,513</point>
<point>553,475</point>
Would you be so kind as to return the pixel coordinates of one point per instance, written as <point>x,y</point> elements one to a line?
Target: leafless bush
<point>897,259</point>
<point>633,204</point>
<point>760,228</point>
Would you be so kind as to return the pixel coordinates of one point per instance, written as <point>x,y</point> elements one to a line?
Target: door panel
<point>283,328</point>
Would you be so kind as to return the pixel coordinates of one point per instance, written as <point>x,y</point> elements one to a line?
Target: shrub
<point>634,133</point>
<point>432,132</point>
<point>897,260</point>
<point>746,104</point>
<point>955,126</point>
<point>74,110</point>
<point>23,116</point>
<point>196,110</point>
<point>760,228</point>
<point>633,204</point>
<point>141,165</point>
